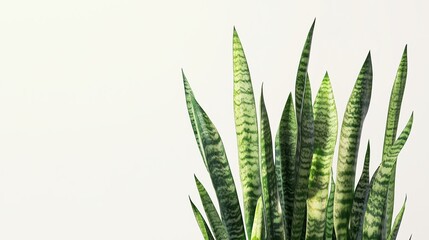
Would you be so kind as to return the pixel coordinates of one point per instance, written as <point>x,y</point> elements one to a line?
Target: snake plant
<point>289,191</point>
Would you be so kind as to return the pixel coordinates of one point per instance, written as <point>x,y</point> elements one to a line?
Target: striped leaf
<point>258,222</point>
<point>304,155</point>
<point>247,132</point>
<point>329,223</point>
<point>325,137</point>
<point>372,225</point>
<point>359,201</point>
<point>273,217</point>
<point>302,71</point>
<point>394,233</point>
<point>354,116</point>
<point>391,131</point>
<point>215,222</point>
<point>220,173</point>
<point>286,138</point>
<point>188,96</point>
<point>205,230</point>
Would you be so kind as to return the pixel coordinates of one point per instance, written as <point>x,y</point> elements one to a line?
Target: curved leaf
<point>325,137</point>
<point>215,222</point>
<point>359,201</point>
<point>372,225</point>
<point>391,130</point>
<point>394,233</point>
<point>220,173</point>
<point>247,132</point>
<point>258,222</point>
<point>205,230</point>
<point>351,128</point>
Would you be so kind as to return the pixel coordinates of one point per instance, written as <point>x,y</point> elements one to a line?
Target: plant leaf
<point>391,131</point>
<point>188,96</point>
<point>258,222</point>
<point>394,233</point>
<point>220,174</point>
<point>215,222</point>
<point>286,138</point>
<point>304,156</point>
<point>325,137</point>
<point>247,132</point>
<point>329,225</point>
<point>302,71</point>
<point>354,116</point>
<point>273,217</point>
<point>372,225</point>
<point>359,201</point>
<point>205,230</point>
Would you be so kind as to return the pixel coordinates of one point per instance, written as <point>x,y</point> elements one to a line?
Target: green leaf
<point>220,173</point>
<point>304,155</point>
<point>325,137</point>
<point>391,131</point>
<point>286,138</point>
<point>302,71</point>
<point>188,96</point>
<point>394,233</point>
<point>247,132</point>
<point>372,225</point>
<point>359,201</point>
<point>258,222</point>
<point>329,224</point>
<point>354,116</point>
<point>205,230</point>
<point>273,217</point>
<point>215,222</point>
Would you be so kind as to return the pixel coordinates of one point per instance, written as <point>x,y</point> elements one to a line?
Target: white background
<point>95,141</point>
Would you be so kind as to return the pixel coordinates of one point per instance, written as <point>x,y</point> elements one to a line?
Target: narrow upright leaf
<point>302,71</point>
<point>247,133</point>
<point>216,224</point>
<point>329,225</point>
<point>391,131</point>
<point>205,230</point>
<point>220,173</point>
<point>286,138</point>
<point>258,222</point>
<point>354,116</point>
<point>304,155</point>
<point>372,225</point>
<point>394,233</point>
<point>188,96</point>
<point>273,217</point>
<point>359,203</point>
<point>325,137</point>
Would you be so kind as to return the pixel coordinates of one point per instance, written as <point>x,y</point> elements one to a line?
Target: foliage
<point>289,192</point>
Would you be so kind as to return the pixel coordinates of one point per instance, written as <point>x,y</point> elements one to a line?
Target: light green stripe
<point>258,222</point>
<point>247,132</point>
